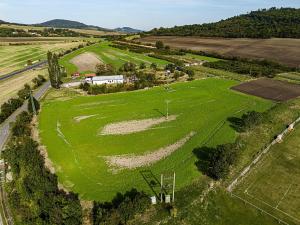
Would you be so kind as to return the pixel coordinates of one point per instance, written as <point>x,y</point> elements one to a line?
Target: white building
<point>99,80</point>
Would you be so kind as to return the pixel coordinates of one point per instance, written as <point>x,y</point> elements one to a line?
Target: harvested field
<point>270,89</point>
<point>86,62</point>
<point>286,51</point>
<point>133,126</point>
<point>133,162</point>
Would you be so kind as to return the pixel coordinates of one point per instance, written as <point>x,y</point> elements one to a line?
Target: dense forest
<point>264,23</point>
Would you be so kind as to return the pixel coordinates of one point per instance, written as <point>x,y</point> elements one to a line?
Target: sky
<point>141,14</point>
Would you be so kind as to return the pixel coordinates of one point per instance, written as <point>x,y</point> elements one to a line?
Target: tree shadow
<point>152,181</point>
<point>236,123</point>
<point>203,155</point>
<point>160,112</point>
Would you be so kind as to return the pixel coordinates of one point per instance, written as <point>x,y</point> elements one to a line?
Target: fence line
<point>257,159</point>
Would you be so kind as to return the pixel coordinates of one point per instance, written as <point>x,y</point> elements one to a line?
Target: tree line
<point>47,32</point>
<point>264,23</point>
<point>11,105</point>
<point>33,193</point>
<point>216,162</point>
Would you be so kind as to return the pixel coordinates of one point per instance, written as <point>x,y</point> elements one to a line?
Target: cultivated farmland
<point>95,141</point>
<point>286,50</point>
<point>16,57</point>
<point>109,55</point>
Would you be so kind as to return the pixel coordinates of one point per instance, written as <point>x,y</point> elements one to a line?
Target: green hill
<point>265,23</point>
<point>60,23</point>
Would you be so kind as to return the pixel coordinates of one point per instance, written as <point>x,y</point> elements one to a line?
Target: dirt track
<point>86,62</point>
<point>270,89</point>
<point>286,50</point>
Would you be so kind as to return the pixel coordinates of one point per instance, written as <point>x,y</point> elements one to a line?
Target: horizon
<point>133,13</point>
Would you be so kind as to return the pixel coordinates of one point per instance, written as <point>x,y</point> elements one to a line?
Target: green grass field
<point>77,149</point>
<point>109,55</point>
<point>15,57</point>
<point>274,184</point>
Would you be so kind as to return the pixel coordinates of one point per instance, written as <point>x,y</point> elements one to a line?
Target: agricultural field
<point>292,77</point>
<point>101,145</point>
<point>16,57</point>
<point>81,31</point>
<point>10,87</point>
<point>273,184</point>
<point>103,53</point>
<point>285,51</point>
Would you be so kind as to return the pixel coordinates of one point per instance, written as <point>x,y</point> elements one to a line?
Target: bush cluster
<point>13,104</point>
<point>121,209</point>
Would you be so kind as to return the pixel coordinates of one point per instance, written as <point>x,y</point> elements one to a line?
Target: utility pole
<point>173,197</point>
<point>161,188</point>
<point>167,102</point>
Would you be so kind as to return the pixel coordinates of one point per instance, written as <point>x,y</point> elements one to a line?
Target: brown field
<point>286,51</point>
<point>86,62</point>
<point>270,89</point>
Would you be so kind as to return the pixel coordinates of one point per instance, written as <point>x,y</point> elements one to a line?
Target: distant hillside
<point>59,23</point>
<point>128,30</point>
<point>274,22</point>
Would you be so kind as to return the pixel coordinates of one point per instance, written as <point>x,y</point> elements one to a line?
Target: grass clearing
<point>274,184</point>
<point>109,55</point>
<point>77,150</point>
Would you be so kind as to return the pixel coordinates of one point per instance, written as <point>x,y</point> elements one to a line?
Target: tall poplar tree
<point>55,72</point>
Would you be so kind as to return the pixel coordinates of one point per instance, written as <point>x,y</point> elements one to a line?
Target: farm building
<point>98,80</point>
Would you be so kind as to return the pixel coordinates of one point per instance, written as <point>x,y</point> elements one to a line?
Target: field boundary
<point>247,169</point>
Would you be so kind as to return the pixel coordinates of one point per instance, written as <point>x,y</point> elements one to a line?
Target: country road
<point>12,74</point>
<point>5,130</point>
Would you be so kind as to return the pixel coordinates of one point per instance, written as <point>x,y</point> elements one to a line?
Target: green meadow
<point>77,149</point>
<point>109,55</point>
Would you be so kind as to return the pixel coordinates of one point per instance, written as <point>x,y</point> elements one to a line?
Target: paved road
<point>5,127</point>
<point>36,65</point>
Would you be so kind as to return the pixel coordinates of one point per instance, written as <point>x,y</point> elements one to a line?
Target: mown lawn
<point>78,155</point>
<point>109,55</point>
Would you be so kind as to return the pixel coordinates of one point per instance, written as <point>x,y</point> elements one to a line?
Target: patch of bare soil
<point>270,89</point>
<point>80,118</point>
<point>284,50</point>
<point>133,161</point>
<point>133,126</point>
<point>86,62</point>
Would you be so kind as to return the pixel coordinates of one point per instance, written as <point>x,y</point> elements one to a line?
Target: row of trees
<point>10,106</point>
<point>33,193</point>
<point>255,68</point>
<point>47,32</point>
<point>216,162</point>
<point>274,22</point>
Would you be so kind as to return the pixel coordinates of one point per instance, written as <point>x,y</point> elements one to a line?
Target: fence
<point>257,159</point>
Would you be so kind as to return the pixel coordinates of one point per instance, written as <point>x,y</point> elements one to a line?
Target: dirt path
<point>133,126</point>
<point>133,162</point>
